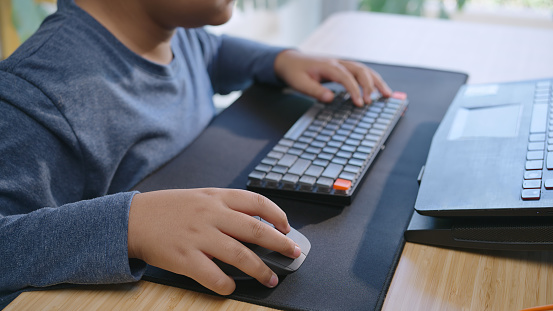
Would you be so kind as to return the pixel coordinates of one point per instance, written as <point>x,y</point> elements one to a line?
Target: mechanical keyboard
<point>325,155</point>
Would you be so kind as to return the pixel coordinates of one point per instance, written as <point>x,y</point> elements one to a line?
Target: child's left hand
<point>305,74</point>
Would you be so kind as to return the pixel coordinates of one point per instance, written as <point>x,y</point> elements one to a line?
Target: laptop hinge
<point>419,178</point>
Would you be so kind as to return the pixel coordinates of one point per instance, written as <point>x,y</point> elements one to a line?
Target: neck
<point>130,23</point>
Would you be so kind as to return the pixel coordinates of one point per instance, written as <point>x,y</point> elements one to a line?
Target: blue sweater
<point>84,119</point>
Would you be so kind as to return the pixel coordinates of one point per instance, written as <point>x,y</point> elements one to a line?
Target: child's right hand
<point>182,230</point>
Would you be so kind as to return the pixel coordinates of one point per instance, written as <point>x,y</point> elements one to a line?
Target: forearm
<point>83,242</point>
<point>240,62</point>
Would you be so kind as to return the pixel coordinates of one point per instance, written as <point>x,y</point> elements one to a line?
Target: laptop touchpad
<point>491,121</point>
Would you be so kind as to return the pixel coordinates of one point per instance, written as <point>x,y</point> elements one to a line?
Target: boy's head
<point>189,13</point>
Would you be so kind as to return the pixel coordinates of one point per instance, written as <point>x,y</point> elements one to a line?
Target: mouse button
<point>301,240</point>
<point>296,263</point>
<point>277,260</point>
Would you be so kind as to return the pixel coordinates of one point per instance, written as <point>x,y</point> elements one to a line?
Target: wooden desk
<point>427,278</point>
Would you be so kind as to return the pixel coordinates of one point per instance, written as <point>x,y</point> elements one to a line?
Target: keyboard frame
<point>334,199</point>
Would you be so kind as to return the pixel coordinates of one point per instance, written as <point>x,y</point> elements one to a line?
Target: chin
<point>223,17</point>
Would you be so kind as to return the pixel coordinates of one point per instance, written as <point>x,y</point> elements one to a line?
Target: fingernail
<point>297,251</point>
<point>328,96</point>
<point>273,281</point>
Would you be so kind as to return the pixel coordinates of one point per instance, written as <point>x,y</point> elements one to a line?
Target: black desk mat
<point>355,250</point>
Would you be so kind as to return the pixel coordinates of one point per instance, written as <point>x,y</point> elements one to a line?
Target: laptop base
<point>490,233</point>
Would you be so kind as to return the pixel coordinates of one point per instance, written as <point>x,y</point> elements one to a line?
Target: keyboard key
<point>352,169</point>
<point>269,161</point>
<point>332,170</point>
<point>347,176</point>
<point>361,155</point>
<point>548,184</point>
<point>530,194</point>
<point>287,160</point>
<point>339,160</point>
<point>342,184</point>
<point>380,126</point>
<point>536,146</point>
<point>360,130</point>
<point>534,165</point>
<point>286,142</point>
<point>364,149</point>
<point>279,169</point>
<point>273,178</point>
<point>356,162</point>
<point>539,118</point>
<point>303,122</point>
<point>331,150</point>
<point>305,139</point>
<point>321,162</point>
<point>549,161</point>
<point>372,137</point>
<point>299,167</point>
<point>323,138</point>
<point>536,137</point>
<point>532,184</point>
<point>308,156</point>
<point>532,174</point>
<point>324,184</point>
<point>326,156</point>
<point>313,150</point>
<point>334,144</point>
<point>256,175</point>
<point>314,170</point>
<point>289,180</point>
<point>295,151</point>
<point>299,145</point>
<point>348,148</point>
<point>274,154</point>
<point>368,143</point>
<point>376,132</point>
<point>353,142</point>
<point>399,95</point>
<point>344,154</point>
<point>534,155</point>
<point>263,168</point>
<point>307,182</point>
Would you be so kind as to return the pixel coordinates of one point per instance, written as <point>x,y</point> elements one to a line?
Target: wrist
<point>134,227</point>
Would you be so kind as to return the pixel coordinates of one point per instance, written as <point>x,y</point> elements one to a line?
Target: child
<point>104,93</point>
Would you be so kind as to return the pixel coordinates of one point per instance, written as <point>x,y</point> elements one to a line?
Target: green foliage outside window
<point>406,7</point>
<point>416,7</point>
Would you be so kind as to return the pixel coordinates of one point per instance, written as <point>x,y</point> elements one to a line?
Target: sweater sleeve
<point>234,63</point>
<point>48,233</point>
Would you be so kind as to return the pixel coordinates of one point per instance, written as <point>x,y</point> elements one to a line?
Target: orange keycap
<point>342,184</point>
<point>399,95</point>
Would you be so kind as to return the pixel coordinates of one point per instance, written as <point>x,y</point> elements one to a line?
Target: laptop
<point>492,154</point>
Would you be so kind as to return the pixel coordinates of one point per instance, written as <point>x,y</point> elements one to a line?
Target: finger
<point>253,230</point>
<point>254,204</point>
<point>235,253</point>
<point>364,77</point>
<point>340,74</point>
<point>208,274</point>
<point>368,79</point>
<point>380,84</point>
<point>311,87</point>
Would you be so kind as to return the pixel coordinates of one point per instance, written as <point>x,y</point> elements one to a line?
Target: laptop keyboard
<point>324,156</point>
<point>539,159</point>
